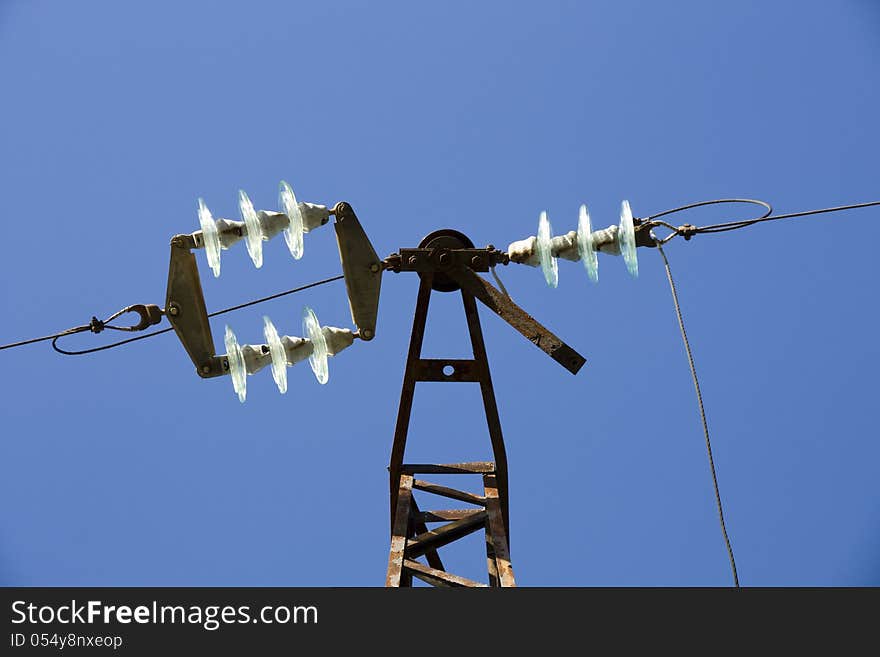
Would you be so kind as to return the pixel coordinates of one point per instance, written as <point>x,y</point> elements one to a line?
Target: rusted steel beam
<point>419,527</point>
<point>445,515</point>
<point>409,386</point>
<point>399,532</point>
<point>491,565</point>
<point>432,369</point>
<point>528,326</point>
<point>444,535</point>
<point>489,403</point>
<point>495,526</point>
<point>439,577</point>
<point>445,491</point>
<point>473,467</point>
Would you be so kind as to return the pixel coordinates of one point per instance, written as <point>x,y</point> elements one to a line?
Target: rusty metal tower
<point>446,261</point>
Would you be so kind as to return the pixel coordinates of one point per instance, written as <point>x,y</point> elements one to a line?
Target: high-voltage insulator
<point>257,227</point>
<point>582,244</point>
<point>285,351</point>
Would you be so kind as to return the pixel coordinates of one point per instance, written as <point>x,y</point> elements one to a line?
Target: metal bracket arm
<point>362,269</point>
<point>425,260</point>
<point>186,311</point>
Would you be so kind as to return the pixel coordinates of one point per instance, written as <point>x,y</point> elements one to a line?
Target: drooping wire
<point>690,357</point>
<point>97,323</point>
<point>498,280</point>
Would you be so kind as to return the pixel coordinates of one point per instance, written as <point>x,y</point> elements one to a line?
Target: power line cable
<point>690,357</point>
<point>106,346</point>
<point>733,225</point>
<point>217,313</point>
<point>687,230</point>
<point>96,325</point>
<point>45,337</point>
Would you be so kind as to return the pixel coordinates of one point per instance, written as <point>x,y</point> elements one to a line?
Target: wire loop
<point>149,315</point>
<point>689,230</point>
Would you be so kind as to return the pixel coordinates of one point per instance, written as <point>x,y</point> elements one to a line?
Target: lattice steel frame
<point>446,261</point>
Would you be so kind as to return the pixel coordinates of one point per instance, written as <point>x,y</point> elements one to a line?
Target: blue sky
<point>125,468</point>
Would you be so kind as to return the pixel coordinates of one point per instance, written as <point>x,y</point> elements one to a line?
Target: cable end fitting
<point>150,314</point>
<point>687,231</point>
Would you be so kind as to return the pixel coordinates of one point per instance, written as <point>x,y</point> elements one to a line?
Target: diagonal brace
<point>444,535</point>
<point>528,326</point>
<point>439,578</point>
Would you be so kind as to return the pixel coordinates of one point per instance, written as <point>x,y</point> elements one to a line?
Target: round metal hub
<point>445,239</point>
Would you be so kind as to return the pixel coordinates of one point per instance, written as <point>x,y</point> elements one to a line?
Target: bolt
<point>375,267</point>
<point>206,369</point>
<point>444,258</point>
<point>173,309</point>
<point>366,334</point>
<point>412,261</point>
<point>476,261</point>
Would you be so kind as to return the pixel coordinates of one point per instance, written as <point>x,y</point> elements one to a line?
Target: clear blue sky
<point>125,468</point>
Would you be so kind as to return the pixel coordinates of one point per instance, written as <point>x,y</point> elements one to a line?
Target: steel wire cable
<point>687,231</point>
<point>95,322</point>
<point>733,225</point>
<point>690,357</point>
